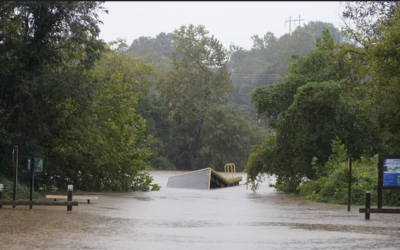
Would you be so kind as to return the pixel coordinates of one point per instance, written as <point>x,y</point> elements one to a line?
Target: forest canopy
<point>101,114</point>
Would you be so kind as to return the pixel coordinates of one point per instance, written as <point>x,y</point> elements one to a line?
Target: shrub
<point>143,182</point>
<point>22,190</point>
<point>332,184</point>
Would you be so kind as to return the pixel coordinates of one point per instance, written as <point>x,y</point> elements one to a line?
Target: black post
<point>15,159</point>
<point>367,204</point>
<point>380,181</point>
<point>32,170</point>
<point>1,194</point>
<point>69,197</point>
<point>349,188</point>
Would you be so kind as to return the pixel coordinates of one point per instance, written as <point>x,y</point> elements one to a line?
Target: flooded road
<point>228,218</point>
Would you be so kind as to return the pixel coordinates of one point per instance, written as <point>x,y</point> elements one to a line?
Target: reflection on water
<point>228,218</point>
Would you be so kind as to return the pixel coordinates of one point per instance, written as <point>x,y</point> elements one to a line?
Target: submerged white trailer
<point>206,178</point>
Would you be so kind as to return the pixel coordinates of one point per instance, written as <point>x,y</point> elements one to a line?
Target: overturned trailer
<point>206,178</point>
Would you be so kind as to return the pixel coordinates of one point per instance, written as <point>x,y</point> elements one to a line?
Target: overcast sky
<point>229,22</point>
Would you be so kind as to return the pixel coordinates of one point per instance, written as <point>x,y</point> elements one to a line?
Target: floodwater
<point>227,218</point>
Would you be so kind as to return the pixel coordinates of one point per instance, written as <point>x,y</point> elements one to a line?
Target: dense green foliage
<point>332,182</point>
<point>269,59</point>
<point>187,110</point>
<point>187,137</point>
<point>23,190</point>
<point>109,145</point>
<point>70,98</point>
<point>101,114</point>
<point>156,51</point>
<point>308,109</point>
<point>342,92</point>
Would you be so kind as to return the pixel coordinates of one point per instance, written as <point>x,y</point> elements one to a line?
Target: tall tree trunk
<point>196,143</point>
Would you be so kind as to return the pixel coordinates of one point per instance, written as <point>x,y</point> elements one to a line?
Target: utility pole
<point>290,22</point>
<point>294,20</point>
<point>300,21</point>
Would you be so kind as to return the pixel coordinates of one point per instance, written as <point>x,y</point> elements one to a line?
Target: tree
<point>317,29</point>
<point>364,15</point>
<point>318,101</point>
<point>228,137</point>
<point>269,58</point>
<point>382,64</point>
<point>159,125</point>
<point>338,92</point>
<point>197,82</point>
<point>44,49</point>
<point>160,45</point>
<point>106,147</point>
<point>58,101</point>
<point>268,41</point>
<point>156,51</point>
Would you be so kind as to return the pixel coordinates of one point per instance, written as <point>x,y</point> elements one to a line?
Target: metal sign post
<point>15,161</point>
<point>32,174</point>
<point>349,188</point>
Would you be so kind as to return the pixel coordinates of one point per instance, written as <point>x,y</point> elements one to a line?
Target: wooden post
<point>380,181</point>
<point>367,204</point>
<point>1,194</point>
<point>32,172</point>
<point>15,160</point>
<point>69,196</point>
<point>349,188</point>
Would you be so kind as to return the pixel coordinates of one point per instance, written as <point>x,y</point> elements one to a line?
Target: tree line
<point>211,121</point>
<point>340,99</point>
<point>102,113</point>
<point>69,97</point>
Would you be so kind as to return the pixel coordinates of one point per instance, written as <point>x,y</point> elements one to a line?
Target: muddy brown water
<point>228,218</point>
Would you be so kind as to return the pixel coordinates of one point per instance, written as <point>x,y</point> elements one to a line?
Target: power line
<point>250,74</point>
<point>255,76</point>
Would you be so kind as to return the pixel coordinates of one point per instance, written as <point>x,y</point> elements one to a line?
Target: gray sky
<point>229,22</point>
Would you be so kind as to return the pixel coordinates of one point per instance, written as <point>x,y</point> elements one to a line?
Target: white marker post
<point>69,197</point>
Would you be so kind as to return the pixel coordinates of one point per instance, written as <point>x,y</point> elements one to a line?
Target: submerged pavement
<point>172,218</point>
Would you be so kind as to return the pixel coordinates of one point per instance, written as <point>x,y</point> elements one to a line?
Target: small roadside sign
<point>38,165</point>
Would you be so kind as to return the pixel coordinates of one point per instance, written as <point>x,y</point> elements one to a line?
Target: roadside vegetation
<point>339,99</point>
<point>103,114</point>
